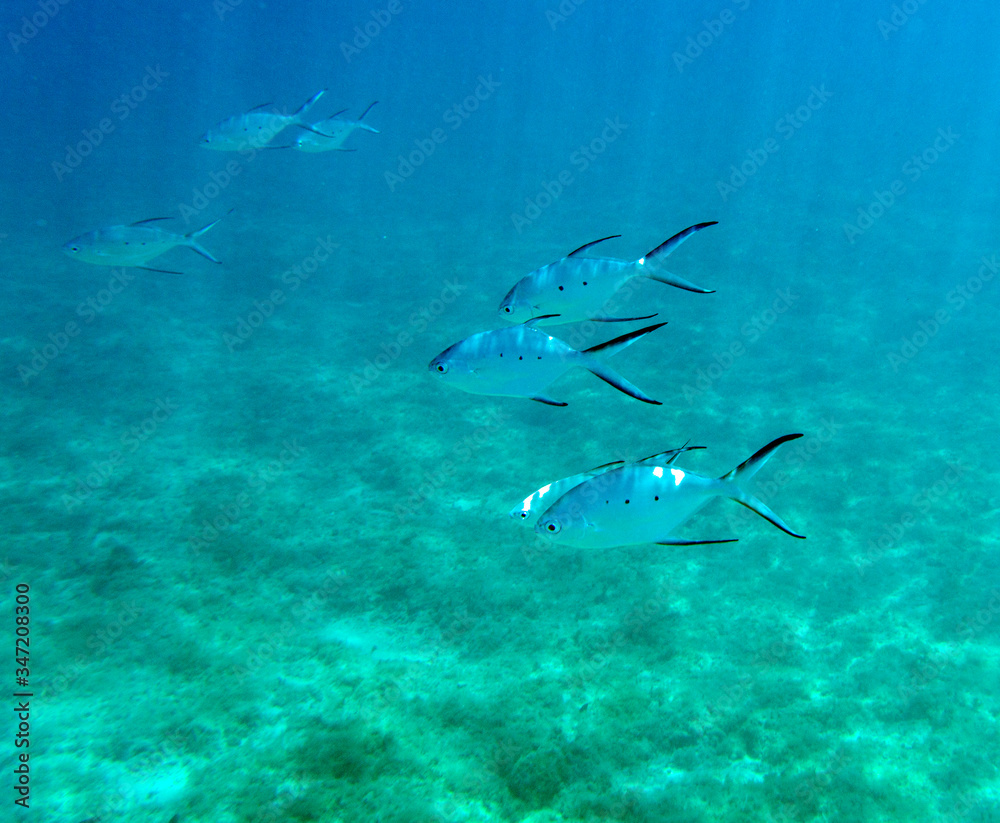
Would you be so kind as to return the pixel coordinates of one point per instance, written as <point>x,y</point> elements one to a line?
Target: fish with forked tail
<point>644,503</point>
<point>529,510</point>
<point>581,288</point>
<point>521,361</point>
<point>330,134</point>
<point>255,129</point>
<point>135,244</point>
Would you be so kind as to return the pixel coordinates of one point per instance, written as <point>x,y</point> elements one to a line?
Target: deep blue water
<point>271,571</point>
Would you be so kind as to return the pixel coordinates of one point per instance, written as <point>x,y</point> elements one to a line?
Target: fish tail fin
<point>745,471</point>
<point>609,375</point>
<point>195,246</point>
<point>204,229</point>
<point>192,242</point>
<point>301,112</point>
<point>365,126</point>
<point>612,378</point>
<point>617,344</point>
<point>648,265</point>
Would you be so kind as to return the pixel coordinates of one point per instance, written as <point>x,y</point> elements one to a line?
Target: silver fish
<point>643,503</point>
<point>256,128</point>
<point>134,244</point>
<point>521,361</point>
<point>330,134</point>
<point>581,288</point>
<point>531,508</point>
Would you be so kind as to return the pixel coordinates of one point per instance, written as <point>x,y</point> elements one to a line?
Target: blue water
<point>271,571</point>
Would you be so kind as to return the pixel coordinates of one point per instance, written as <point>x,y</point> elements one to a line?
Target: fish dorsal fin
<point>586,246</point>
<point>337,114</point>
<point>149,220</point>
<point>258,108</point>
<point>532,320</point>
<point>673,455</point>
<point>362,117</point>
<point>606,467</point>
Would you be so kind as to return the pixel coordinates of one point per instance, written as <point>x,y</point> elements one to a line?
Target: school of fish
<point>619,503</point>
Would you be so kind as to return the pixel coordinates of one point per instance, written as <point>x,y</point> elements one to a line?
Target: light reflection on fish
<point>643,503</point>
<point>529,510</point>
<point>582,288</point>
<point>521,361</point>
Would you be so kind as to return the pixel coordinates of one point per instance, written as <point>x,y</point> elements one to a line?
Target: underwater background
<point>272,573</point>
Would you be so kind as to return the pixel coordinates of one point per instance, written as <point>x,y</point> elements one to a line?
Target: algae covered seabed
<point>271,567</point>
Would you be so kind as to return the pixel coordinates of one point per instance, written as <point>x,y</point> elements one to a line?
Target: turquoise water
<point>271,571</point>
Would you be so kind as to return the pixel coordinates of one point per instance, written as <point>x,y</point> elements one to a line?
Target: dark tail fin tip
<point>632,335</point>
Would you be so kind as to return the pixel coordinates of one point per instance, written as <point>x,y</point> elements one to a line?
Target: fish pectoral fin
<point>532,320</point>
<point>548,401</point>
<point>315,131</point>
<point>670,541</point>
<point>620,319</point>
<point>161,271</point>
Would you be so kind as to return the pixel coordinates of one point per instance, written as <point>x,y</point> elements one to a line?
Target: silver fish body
<point>255,129</point>
<point>583,288</point>
<point>522,361</point>
<point>330,134</point>
<point>134,244</point>
<point>535,504</point>
<point>643,503</point>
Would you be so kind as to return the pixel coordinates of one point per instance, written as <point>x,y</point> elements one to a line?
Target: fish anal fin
<point>670,541</point>
<point>620,319</point>
<point>548,401</point>
<point>161,271</point>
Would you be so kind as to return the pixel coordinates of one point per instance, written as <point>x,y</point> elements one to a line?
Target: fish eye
<point>523,514</point>
<point>442,368</point>
<point>553,527</point>
<point>507,309</point>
